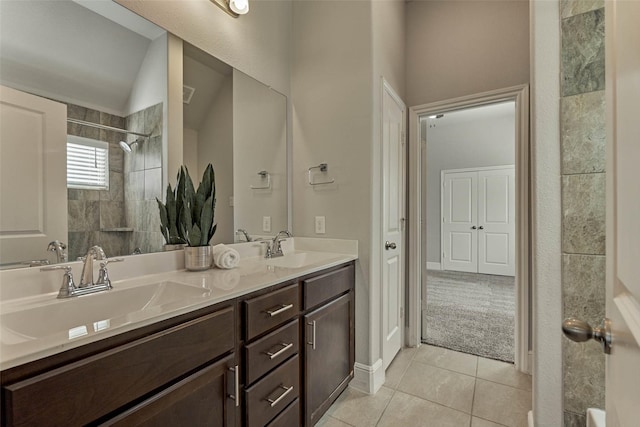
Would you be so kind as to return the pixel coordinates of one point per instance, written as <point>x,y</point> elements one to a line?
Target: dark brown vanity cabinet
<point>275,357</point>
<point>307,326</point>
<point>329,340</point>
<point>179,368</point>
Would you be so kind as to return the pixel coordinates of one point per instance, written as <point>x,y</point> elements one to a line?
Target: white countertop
<point>25,341</point>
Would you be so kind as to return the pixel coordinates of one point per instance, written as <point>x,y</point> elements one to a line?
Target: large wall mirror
<point>107,68</point>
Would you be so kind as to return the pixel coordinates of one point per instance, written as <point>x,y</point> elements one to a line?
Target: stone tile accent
<point>111,214</point>
<point>83,215</point>
<point>583,293</point>
<point>583,133</point>
<point>574,420</point>
<point>583,375</point>
<point>116,188</point>
<point>583,53</point>
<point>134,185</point>
<point>80,242</point>
<point>576,7</point>
<point>153,120</point>
<point>153,152</point>
<point>115,243</point>
<point>116,157</point>
<point>153,184</point>
<point>583,210</point>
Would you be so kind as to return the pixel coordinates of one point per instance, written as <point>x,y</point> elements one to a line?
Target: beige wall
<point>257,43</point>
<point>457,48</point>
<point>332,100</point>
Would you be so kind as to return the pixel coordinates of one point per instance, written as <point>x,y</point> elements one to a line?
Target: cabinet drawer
<point>273,393</point>
<point>85,390</point>
<point>270,310</point>
<point>290,417</point>
<point>326,286</point>
<point>271,350</point>
<point>202,399</point>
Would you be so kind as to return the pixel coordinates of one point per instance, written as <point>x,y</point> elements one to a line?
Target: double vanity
<point>268,343</point>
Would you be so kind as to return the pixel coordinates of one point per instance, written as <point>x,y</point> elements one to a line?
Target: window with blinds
<point>87,163</point>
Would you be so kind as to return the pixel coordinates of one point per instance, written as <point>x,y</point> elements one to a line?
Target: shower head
<point>126,146</point>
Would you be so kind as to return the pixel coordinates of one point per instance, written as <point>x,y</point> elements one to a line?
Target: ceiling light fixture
<point>234,8</point>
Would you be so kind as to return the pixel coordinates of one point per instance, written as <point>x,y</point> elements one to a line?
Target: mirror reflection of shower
<point>127,146</point>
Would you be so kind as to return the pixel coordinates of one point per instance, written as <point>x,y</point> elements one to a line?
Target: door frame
<point>520,95</point>
<point>386,87</point>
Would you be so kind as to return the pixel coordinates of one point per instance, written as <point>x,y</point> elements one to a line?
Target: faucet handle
<point>268,245</point>
<point>68,286</point>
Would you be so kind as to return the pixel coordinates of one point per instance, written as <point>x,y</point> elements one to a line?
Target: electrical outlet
<point>266,223</point>
<point>320,225</point>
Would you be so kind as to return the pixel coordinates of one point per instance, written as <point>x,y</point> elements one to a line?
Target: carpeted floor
<point>472,313</point>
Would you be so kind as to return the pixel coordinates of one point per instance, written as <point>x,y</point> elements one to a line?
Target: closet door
<point>459,226</point>
<point>496,222</point>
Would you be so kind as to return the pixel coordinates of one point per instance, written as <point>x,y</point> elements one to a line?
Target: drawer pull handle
<point>236,383</point>
<point>284,348</point>
<point>277,310</point>
<point>312,343</point>
<point>274,402</point>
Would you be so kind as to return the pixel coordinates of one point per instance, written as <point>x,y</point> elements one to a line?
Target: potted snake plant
<point>196,220</point>
<point>170,213</point>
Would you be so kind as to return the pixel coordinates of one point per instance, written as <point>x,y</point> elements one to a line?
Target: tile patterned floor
<point>432,386</point>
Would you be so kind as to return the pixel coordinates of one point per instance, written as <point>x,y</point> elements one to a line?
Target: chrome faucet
<point>94,252</point>
<point>60,249</point>
<point>246,234</point>
<point>276,246</point>
<point>69,289</point>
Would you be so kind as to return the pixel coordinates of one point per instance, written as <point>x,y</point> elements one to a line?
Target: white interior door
<point>496,222</point>
<point>459,226</point>
<point>623,212</point>
<point>33,175</point>
<point>393,170</point>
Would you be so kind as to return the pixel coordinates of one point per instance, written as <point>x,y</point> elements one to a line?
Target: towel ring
<point>263,174</point>
<point>323,168</point>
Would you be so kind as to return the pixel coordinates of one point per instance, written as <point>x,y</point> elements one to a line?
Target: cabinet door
<point>329,355</point>
<point>206,398</point>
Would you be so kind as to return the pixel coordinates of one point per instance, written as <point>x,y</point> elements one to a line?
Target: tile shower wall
<point>92,214</point>
<point>583,200</point>
<point>143,180</point>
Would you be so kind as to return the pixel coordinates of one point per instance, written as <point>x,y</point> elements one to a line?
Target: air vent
<point>187,94</point>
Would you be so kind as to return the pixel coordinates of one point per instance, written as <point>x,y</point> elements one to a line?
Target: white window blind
<point>87,163</point>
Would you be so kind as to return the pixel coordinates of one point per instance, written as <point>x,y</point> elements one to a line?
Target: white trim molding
<point>367,378</point>
<point>520,95</point>
<point>434,265</point>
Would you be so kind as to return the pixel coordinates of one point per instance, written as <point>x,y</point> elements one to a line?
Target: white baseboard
<point>367,378</point>
<point>433,266</point>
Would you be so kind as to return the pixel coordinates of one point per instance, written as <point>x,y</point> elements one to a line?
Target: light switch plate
<point>320,229</point>
<point>266,223</point>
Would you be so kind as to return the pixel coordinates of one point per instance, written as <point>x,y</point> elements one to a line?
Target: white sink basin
<point>299,259</point>
<point>87,314</point>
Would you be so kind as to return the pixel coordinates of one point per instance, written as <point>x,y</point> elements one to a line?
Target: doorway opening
<point>469,225</point>
<point>469,240</point>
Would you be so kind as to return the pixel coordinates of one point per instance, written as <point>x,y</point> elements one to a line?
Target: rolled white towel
<point>225,257</point>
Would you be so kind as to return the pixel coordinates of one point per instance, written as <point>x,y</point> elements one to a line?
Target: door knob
<point>579,331</point>
<point>473,227</point>
<point>481,227</point>
<point>389,245</point>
